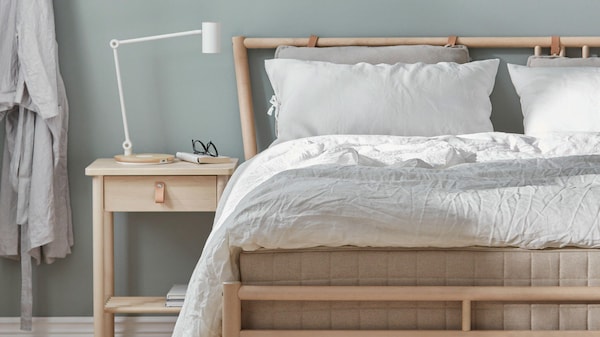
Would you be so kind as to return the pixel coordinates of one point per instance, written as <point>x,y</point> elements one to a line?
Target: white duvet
<point>488,189</point>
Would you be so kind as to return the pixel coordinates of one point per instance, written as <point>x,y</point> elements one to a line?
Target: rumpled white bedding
<point>488,189</point>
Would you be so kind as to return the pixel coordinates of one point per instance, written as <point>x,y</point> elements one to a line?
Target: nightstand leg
<point>109,269</point>
<point>98,255</point>
<point>221,182</point>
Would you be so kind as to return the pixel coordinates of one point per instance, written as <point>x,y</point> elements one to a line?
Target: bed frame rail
<point>241,45</point>
<point>234,293</point>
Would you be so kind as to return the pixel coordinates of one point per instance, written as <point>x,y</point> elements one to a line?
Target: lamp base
<point>145,158</point>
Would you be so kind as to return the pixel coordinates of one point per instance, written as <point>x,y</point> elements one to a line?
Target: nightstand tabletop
<point>110,167</point>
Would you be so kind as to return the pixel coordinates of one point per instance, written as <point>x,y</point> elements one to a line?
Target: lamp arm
<point>156,37</point>
<point>127,145</point>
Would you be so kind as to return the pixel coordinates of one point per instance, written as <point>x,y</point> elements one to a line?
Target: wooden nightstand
<point>175,187</point>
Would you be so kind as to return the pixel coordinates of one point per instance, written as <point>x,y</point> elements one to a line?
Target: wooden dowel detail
<point>563,52</point>
<point>232,310</point>
<point>537,50</point>
<point>421,293</point>
<point>466,315</point>
<point>585,52</point>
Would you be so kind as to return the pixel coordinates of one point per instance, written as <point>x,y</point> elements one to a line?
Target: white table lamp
<point>211,43</point>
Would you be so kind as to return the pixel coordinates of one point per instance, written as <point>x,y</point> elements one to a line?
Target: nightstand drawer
<point>144,194</point>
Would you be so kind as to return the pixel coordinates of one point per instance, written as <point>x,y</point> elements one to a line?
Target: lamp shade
<point>211,37</point>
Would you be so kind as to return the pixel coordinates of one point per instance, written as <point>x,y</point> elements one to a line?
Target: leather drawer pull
<point>159,192</point>
<point>451,41</point>
<point>555,45</point>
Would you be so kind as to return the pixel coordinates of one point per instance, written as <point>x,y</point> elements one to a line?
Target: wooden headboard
<point>241,45</point>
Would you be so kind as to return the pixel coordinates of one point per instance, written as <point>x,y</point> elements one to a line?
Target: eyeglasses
<point>209,149</point>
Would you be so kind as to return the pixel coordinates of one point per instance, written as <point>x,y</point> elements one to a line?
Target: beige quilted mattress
<point>457,267</point>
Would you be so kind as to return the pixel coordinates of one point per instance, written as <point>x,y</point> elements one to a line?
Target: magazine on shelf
<point>174,303</point>
<point>176,295</point>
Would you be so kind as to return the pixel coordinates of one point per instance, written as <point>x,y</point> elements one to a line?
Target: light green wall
<point>174,93</point>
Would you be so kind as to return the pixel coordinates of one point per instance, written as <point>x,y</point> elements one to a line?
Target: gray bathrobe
<point>35,211</point>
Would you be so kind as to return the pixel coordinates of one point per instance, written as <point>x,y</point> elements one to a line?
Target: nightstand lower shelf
<point>139,305</point>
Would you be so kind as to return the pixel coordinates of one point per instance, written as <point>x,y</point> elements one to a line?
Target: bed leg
<point>232,309</point>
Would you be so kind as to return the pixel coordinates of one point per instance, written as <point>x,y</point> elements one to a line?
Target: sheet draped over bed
<point>488,189</point>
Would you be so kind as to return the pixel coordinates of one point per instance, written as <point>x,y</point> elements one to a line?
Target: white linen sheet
<point>487,189</point>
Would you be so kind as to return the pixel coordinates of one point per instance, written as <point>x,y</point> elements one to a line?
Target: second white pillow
<point>558,99</point>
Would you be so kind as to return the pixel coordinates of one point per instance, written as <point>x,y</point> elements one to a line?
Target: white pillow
<point>558,99</point>
<point>320,98</point>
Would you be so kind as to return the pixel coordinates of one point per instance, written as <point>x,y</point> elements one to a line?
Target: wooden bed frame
<point>235,292</point>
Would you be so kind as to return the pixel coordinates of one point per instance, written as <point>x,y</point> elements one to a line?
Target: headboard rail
<point>241,45</point>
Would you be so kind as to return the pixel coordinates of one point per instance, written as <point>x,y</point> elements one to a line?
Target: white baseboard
<point>152,326</point>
